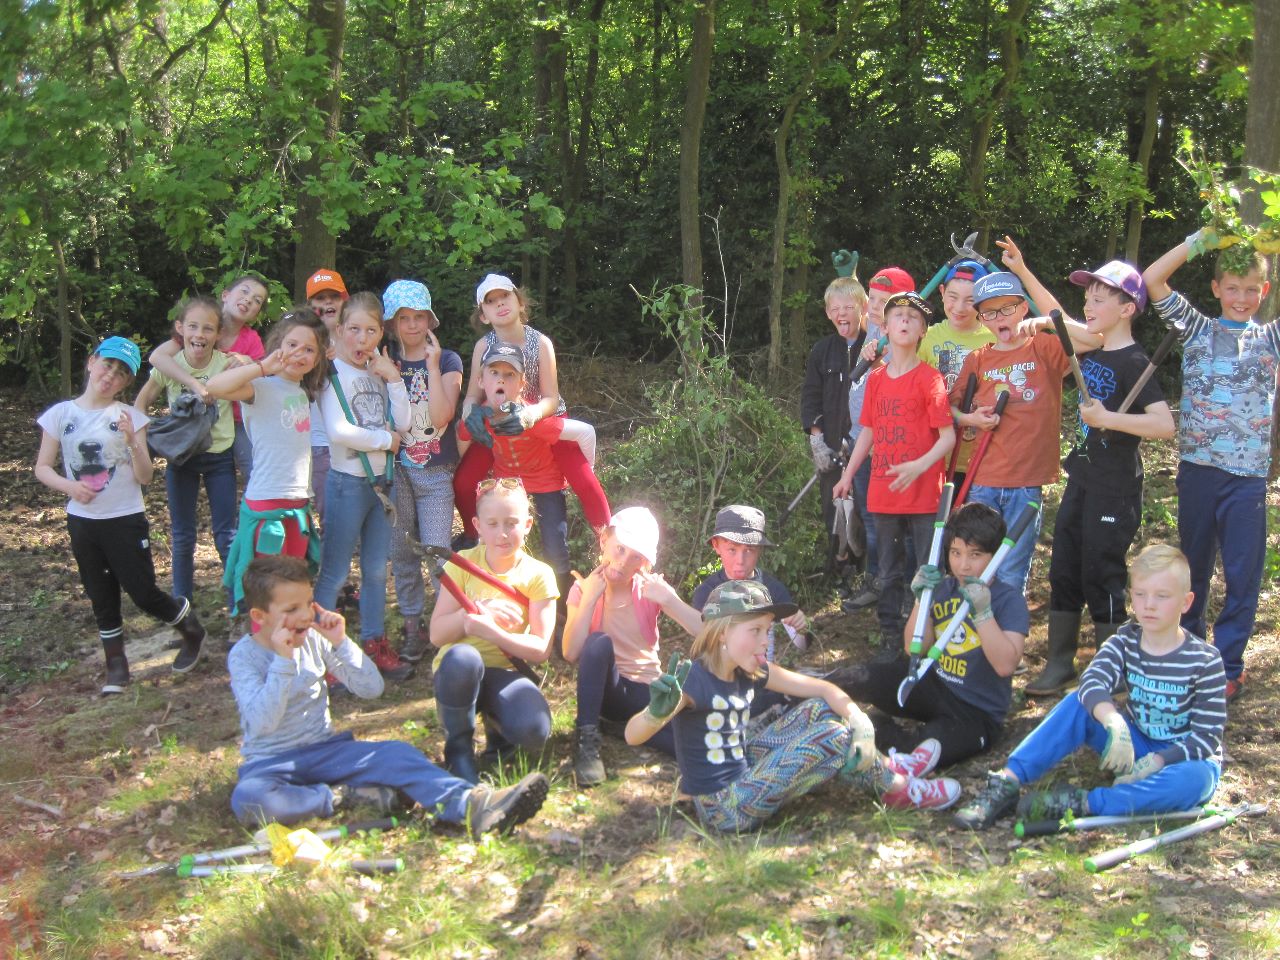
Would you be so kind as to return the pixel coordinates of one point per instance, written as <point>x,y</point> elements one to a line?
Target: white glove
<point>824,457</point>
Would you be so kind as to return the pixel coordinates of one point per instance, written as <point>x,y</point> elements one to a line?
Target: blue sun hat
<point>118,348</point>
<point>407,293</point>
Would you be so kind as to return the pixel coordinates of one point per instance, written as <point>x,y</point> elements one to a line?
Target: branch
<point>190,42</point>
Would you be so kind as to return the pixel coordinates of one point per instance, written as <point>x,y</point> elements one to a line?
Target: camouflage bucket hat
<point>743,596</point>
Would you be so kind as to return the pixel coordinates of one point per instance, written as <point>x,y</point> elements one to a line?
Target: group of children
<point>377,430</point>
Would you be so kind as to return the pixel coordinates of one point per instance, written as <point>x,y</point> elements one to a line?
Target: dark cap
<point>743,596</point>
<point>504,353</point>
<point>741,524</point>
<point>910,299</point>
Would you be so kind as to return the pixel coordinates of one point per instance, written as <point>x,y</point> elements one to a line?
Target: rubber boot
<point>564,581</point>
<point>459,741</point>
<point>117,666</point>
<point>1104,630</point>
<point>1060,669</point>
<point>588,768</point>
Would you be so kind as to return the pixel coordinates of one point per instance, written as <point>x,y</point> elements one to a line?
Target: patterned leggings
<point>802,749</point>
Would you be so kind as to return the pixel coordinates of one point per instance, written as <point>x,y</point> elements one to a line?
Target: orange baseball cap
<point>326,279</point>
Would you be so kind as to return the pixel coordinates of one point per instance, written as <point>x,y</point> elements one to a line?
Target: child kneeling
<point>735,784</point>
<point>1165,745</point>
<point>295,765</point>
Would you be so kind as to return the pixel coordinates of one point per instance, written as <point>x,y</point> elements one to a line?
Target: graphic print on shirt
<point>952,663</point>
<point>1101,381</point>
<point>93,447</point>
<point>368,405</point>
<point>1017,377</point>
<point>900,431</point>
<point>423,440</point>
<point>1151,701</point>
<point>295,413</point>
<point>948,357</point>
<point>726,726</point>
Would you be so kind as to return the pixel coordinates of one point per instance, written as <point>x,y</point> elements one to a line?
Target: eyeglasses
<point>506,483</point>
<point>1005,311</point>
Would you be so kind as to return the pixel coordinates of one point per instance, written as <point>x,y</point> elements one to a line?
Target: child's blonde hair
<point>364,302</point>
<point>1159,558</point>
<point>709,644</point>
<point>846,287</point>
<point>512,487</point>
<point>526,304</point>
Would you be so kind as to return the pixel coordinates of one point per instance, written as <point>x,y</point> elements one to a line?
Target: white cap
<point>493,281</point>
<point>637,529</point>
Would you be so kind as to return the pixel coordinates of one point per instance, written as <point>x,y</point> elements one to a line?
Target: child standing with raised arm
<point>1228,388</point>
<point>103,444</point>
<point>909,438</point>
<point>326,293</point>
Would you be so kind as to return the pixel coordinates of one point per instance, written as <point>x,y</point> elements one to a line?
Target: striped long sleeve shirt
<point>1178,698</point>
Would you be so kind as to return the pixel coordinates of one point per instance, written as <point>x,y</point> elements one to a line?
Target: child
<point>611,632</point>
<point>1102,504</point>
<point>1228,390</point>
<point>503,307</point>
<point>962,703</point>
<point>198,324</point>
<point>529,455</point>
<point>295,765</point>
<point>326,293</point>
<point>428,448</point>
<point>737,784</point>
<point>1026,360</point>
<point>103,444</point>
<point>365,406</point>
<point>483,656</point>
<point>275,394</point>
<point>910,435</point>
<point>242,302</point>
<point>1164,744</point>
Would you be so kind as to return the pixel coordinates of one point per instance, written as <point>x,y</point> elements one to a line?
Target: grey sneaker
<point>995,800</point>
<point>588,768</point>
<point>865,596</point>
<point>503,810</point>
<point>416,642</point>
<point>379,798</point>
<point>1055,803</point>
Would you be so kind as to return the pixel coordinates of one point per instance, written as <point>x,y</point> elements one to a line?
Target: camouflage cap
<point>743,596</point>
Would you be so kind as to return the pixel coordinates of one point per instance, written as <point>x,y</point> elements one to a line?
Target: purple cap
<point>1119,275</point>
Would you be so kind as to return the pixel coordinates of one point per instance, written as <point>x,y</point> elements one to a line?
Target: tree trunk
<point>1150,124</point>
<point>695,109</point>
<point>316,246</point>
<point>64,320</point>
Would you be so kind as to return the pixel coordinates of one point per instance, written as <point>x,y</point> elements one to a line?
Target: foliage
<point>1221,212</point>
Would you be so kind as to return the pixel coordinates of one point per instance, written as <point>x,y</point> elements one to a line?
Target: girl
<point>483,656</point>
<point>611,632</point>
<point>428,449</point>
<point>104,455</point>
<point>504,308</point>
<point>198,324</point>
<point>364,406</point>
<point>737,785</point>
<point>275,395</point>
<point>242,302</point>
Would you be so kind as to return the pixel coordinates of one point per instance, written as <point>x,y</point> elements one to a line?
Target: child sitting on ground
<point>1164,743</point>
<point>295,765</point>
<point>611,632</point>
<point>962,703</point>
<point>735,783</point>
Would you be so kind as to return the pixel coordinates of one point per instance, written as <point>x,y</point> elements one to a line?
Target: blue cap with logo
<point>1001,284</point>
<point>126,351</point>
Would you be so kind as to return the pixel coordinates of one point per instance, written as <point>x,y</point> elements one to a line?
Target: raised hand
<point>654,587</point>
<point>329,624</point>
<point>1011,256</point>
<point>592,586</point>
<point>476,426</point>
<point>433,350</point>
<point>273,363</point>
<point>516,419</point>
<point>664,693</point>
<point>1117,754</point>
<point>979,596</point>
<point>381,365</point>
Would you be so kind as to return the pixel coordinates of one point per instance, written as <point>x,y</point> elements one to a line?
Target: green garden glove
<point>979,596</point>
<point>927,578</point>
<point>664,693</point>
<point>476,426</point>
<point>845,262</point>
<point>1145,767</point>
<point>516,420</point>
<point>862,743</point>
<point>1117,755</point>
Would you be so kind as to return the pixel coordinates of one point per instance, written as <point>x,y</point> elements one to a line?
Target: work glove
<point>927,578</point>
<point>516,419</point>
<point>1145,767</point>
<point>824,458</point>
<point>476,426</point>
<point>845,262</point>
<point>1117,755</point>
<point>979,596</point>
<point>664,693</point>
<point>1206,239</point>
<point>862,743</point>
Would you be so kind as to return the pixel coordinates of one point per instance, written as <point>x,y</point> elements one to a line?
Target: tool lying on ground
<point>963,252</point>
<point>1044,828</point>
<point>957,621</point>
<point>215,861</point>
<point>980,451</point>
<point>1110,858</point>
<point>966,406</point>
<point>935,559</point>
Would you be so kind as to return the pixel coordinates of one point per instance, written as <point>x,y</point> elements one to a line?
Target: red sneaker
<point>937,794</point>
<point>387,660</point>
<point>919,761</point>
<point>1235,685</point>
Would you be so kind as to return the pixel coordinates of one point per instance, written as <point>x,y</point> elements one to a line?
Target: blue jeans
<point>1179,786</point>
<point>354,513</point>
<point>512,703</point>
<point>861,481</point>
<point>553,528</point>
<point>297,784</point>
<point>1008,502</point>
<point>183,486</point>
<point>242,450</point>
<point>1230,512</point>
<point>603,692</point>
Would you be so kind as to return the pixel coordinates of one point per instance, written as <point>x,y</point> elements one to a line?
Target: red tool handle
<point>983,442</point>
<point>477,571</point>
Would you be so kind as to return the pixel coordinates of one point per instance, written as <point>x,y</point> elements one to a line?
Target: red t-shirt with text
<point>905,415</point>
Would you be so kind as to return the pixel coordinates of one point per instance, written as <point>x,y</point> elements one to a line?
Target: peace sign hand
<point>665,692</point>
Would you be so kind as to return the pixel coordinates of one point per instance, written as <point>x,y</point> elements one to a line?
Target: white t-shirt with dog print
<point>95,452</point>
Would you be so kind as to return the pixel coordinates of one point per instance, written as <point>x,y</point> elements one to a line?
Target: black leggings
<point>961,729</point>
<point>1091,538</point>
<point>602,691</point>
<point>115,554</point>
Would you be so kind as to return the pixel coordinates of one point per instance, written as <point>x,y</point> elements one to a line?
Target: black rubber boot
<point>459,741</point>
<point>117,666</point>
<point>588,768</point>
<point>1060,668</point>
<point>192,633</point>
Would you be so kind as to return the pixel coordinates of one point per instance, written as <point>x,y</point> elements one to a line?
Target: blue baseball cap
<point>407,293</point>
<point>966,270</point>
<point>999,284</point>
<point>118,348</point>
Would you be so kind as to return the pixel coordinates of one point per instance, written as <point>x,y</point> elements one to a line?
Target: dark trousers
<point>603,692</point>
<point>115,555</point>
<point>1091,538</point>
<point>892,533</point>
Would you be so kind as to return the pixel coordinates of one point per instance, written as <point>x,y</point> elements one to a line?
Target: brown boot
<point>416,640</point>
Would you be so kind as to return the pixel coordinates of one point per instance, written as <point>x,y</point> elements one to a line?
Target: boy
<point>1029,363</point>
<point>326,293</point>
<point>962,703</point>
<point>295,766</point>
<point>1164,744</point>
<point>1228,387</point>
<point>1101,507</point>
<point>911,433</point>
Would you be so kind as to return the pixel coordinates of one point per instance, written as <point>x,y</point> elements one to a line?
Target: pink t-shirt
<point>638,663</point>
<point>248,343</point>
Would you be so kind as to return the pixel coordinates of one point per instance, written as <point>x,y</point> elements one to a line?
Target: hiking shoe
<point>417,641</point>
<point>348,597</point>
<point>1054,804</point>
<point>387,660</point>
<point>588,768</point>
<point>1235,685</point>
<point>191,649</point>
<point>117,675</point>
<point>920,761</point>
<point>502,810</point>
<point>866,596</point>
<point>915,794</point>
<point>379,798</point>
<point>996,799</point>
